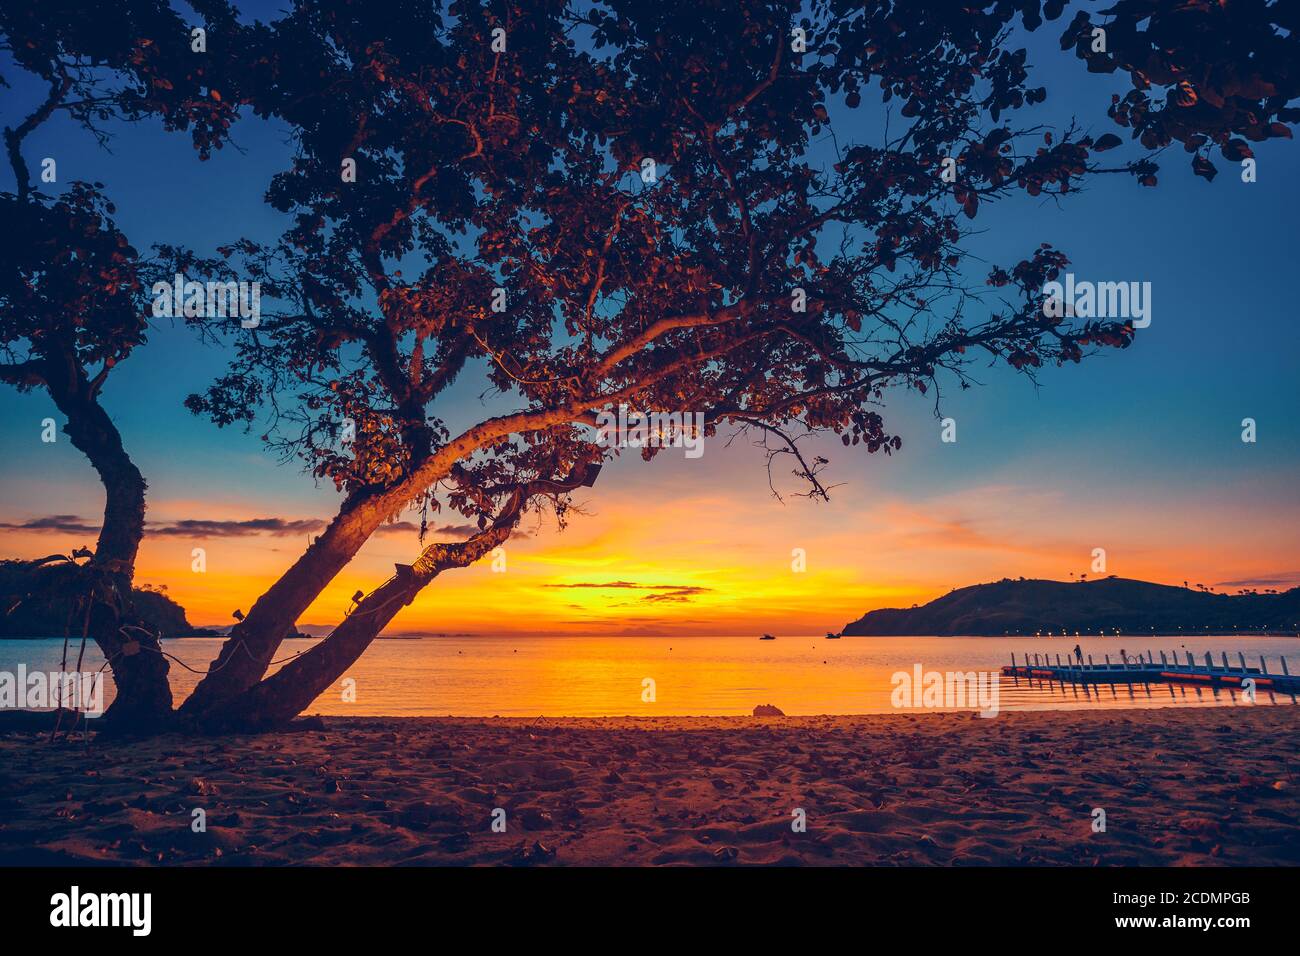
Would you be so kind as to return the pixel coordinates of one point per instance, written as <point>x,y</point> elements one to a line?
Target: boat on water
<point>768,637</point>
<point>832,636</point>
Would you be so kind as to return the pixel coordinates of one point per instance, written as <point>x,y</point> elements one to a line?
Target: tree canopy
<point>756,211</point>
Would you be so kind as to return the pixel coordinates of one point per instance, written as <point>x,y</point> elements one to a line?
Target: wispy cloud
<point>676,594</point>
<point>225,528</point>
<point>448,530</point>
<point>444,530</point>
<point>672,593</point>
<point>633,586</point>
<point>1272,579</point>
<point>60,524</point>
<point>186,528</point>
<point>204,528</point>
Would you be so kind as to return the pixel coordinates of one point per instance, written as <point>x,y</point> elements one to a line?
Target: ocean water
<point>714,676</point>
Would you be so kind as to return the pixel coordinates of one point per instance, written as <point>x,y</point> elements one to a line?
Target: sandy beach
<point>1206,787</point>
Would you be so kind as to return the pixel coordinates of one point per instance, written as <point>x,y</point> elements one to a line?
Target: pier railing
<point>1144,668</point>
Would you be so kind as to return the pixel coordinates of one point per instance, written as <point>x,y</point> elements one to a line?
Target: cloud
<point>205,528</point>
<point>632,586</point>
<point>443,530</point>
<point>588,584</point>
<point>397,527</point>
<point>64,524</point>
<point>228,528</point>
<point>459,530</point>
<point>187,528</point>
<point>453,530</point>
<point>676,594</point>
<point>1275,578</point>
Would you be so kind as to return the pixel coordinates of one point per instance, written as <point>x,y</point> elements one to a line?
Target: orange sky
<point>647,558</point>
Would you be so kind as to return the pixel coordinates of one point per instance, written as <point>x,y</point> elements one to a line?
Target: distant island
<point>1106,605</point>
<point>46,614</point>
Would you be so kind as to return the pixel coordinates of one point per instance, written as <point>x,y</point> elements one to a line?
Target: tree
<point>72,299</point>
<point>657,218</point>
<point>657,205</point>
<point>1205,75</point>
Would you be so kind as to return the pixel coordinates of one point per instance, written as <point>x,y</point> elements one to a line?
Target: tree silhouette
<point>72,298</point>
<point>669,206</point>
<point>1205,75</point>
<point>662,233</point>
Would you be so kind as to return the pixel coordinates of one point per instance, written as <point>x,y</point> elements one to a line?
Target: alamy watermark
<point>39,690</point>
<point>1098,300</point>
<point>74,908</point>
<point>187,298</point>
<point>632,429</point>
<point>946,690</point>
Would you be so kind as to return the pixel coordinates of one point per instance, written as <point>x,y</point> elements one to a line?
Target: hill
<point>1132,607</point>
<point>46,612</point>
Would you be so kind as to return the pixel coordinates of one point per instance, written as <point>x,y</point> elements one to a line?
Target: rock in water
<point>767,710</point>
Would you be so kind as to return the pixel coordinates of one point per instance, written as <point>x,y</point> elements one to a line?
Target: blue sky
<point>1156,427</point>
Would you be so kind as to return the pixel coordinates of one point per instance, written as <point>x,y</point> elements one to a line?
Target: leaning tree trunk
<point>279,698</point>
<point>144,699</point>
<point>251,644</point>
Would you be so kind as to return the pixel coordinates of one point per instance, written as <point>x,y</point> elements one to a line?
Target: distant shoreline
<point>1196,635</point>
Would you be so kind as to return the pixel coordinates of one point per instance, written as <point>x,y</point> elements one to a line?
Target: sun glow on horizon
<point>718,564</point>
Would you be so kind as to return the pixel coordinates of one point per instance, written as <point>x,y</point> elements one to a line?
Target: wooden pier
<point>1145,669</point>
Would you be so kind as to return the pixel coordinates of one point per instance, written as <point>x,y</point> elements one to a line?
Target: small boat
<point>832,636</point>
<point>767,637</point>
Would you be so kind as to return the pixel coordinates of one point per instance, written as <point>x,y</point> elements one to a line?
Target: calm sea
<point>594,676</point>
